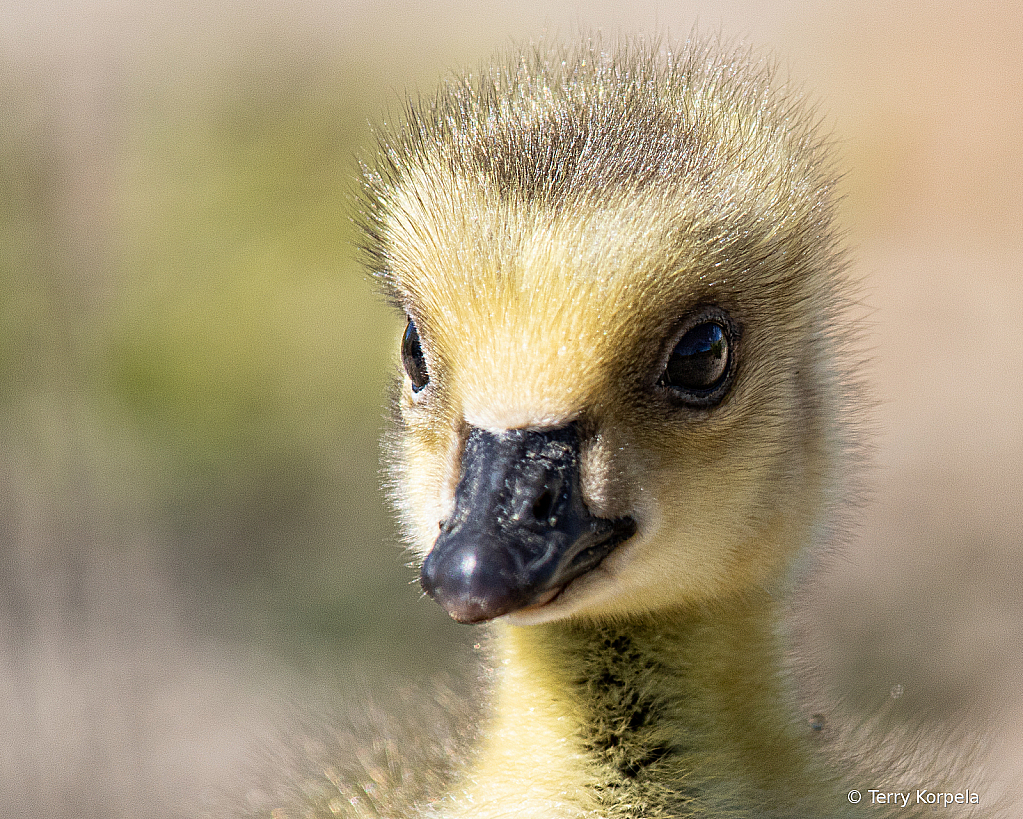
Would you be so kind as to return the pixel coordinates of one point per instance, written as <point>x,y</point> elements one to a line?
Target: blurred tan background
<point>193,372</point>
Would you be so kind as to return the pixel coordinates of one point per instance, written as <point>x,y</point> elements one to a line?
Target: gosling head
<point>620,281</point>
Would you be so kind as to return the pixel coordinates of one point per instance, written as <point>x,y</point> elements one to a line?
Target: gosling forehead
<point>531,315</point>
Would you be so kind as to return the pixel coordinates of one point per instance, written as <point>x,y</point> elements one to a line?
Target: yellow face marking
<point>529,315</point>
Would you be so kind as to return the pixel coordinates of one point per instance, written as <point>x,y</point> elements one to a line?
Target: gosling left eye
<point>412,358</point>
<point>699,368</point>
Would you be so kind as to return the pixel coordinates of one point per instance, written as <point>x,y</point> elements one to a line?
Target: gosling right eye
<point>412,358</point>
<point>699,370</point>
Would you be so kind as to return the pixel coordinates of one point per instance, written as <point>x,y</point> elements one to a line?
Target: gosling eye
<point>699,370</point>
<point>412,358</point>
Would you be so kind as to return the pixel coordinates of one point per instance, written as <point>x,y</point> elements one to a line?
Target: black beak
<point>520,528</point>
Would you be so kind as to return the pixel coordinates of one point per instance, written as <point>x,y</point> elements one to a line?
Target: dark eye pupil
<point>412,358</point>
<point>699,362</point>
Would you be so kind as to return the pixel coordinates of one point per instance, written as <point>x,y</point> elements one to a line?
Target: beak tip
<point>469,589</point>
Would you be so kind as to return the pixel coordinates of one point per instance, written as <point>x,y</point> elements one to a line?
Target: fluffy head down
<point>552,226</point>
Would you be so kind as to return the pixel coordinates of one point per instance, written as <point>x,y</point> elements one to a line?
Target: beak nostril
<point>543,505</point>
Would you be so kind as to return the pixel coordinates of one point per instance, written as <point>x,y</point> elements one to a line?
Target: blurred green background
<point>194,372</point>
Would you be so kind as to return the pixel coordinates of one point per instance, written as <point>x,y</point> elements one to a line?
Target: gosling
<point>627,412</point>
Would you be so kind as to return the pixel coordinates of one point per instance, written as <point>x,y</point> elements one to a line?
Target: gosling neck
<point>675,714</point>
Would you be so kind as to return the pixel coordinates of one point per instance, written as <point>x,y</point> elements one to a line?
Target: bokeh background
<point>193,372</point>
